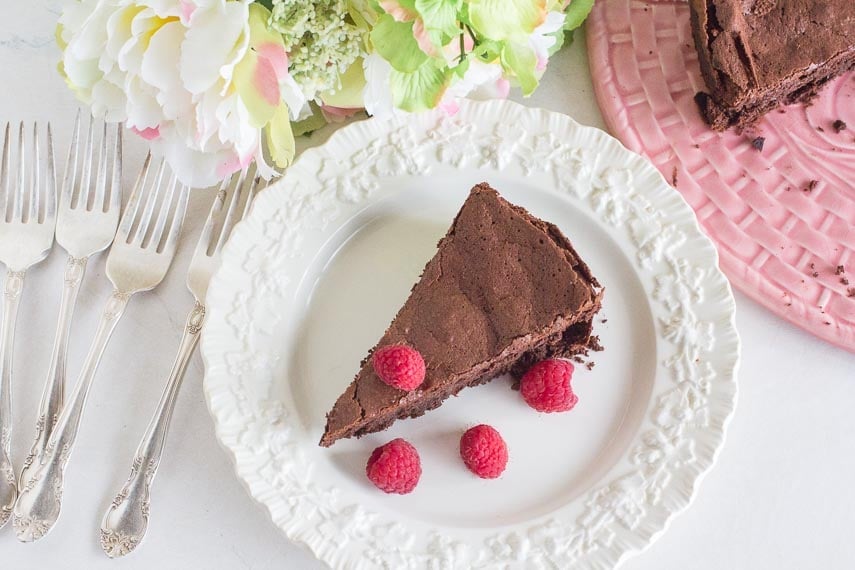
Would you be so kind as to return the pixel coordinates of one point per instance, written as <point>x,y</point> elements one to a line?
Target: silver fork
<point>86,224</point>
<point>27,221</point>
<point>138,261</point>
<point>126,519</point>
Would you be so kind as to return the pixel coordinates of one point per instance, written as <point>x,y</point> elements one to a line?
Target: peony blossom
<point>202,80</point>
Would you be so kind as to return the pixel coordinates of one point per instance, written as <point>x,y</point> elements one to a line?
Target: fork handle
<point>52,396</point>
<point>126,519</point>
<point>40,500</point>
<point>11,300</point>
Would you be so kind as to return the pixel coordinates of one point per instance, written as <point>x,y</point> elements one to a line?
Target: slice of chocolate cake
<point>503,291</point>
<point>758,54</point>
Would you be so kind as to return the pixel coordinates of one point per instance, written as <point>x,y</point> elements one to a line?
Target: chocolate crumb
<point>838,126</point>
<point>788,305</point>
<point>697,146</point>
<point>820,129</point>
<point>826,322</point>
<point>815,274</point>
<point>604,321</point>
<point>850,292</point>
<point>844,281</point>
<point>674,177</point>
<point>811,185</point>
<point>840,270</point>
<point>578,360</point>
<point>812,265</point>
<point>589,365</point>
<point>757,143</point>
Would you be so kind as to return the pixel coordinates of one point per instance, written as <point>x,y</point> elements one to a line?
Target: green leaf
<point>395,42</point>
<point>421,89</point>
<point>461,68</point>
<point>576,13</point>
<point>522,61</point>
<point>280,138</point>
<point>440,15</point>
<point>310,124</point>
<point>507,19</point>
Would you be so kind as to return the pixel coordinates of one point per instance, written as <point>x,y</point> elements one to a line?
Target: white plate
<point>314,276</point>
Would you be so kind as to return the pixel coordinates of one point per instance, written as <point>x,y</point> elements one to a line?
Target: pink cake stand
<point>783,218</point>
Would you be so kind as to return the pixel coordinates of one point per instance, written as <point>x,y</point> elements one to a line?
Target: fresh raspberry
<point>546,386</point>
<point>395,467</point>
<point>484,451</point>
<point>399,366</point>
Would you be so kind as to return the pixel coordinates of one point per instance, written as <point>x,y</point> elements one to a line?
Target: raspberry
<point>399,366</point>
<point>484,451</point>
<point>395,467</point>
<point>546,386</point>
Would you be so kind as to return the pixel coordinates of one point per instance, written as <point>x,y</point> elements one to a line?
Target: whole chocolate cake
<point>503,291</point>
<point>758,54</point>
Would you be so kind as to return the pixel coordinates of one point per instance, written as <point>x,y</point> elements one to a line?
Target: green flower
<point>322,38</point>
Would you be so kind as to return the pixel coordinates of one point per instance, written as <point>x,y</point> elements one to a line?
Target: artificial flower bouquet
<point>217,84</point>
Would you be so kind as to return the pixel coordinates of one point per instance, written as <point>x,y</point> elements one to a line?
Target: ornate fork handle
<point>52,397</point>
<point>126,519</point>
<point>40,499</point>
<point>11,300</point>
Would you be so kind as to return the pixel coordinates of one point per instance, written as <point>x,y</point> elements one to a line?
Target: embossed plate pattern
<point>311,279</point>
<point>779,236</point>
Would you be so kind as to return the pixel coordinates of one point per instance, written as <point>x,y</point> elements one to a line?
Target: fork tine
<point>165,207</point>
<point>177,221</point>
<point>70,176</point>
<point>97,203</point>
<point>86,176</point>
<point>204,243</point>
<point>153,192</point>
<point>50,183</point>
<point>6,193</point>
<point>18,207</point>
<point>35,177</point>
<point>256,187</point>
<point>130,214</point>
<point>241,180</point>
<point>115,194</point>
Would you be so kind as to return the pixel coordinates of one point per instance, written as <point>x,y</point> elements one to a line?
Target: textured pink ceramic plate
<point>781,237</point>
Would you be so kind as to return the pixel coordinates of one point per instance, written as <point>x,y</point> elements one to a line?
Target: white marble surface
<point>781,497</point>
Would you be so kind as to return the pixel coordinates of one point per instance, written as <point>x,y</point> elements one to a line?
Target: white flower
<point>167,68</point>
<point>543,38</point>
<point>377,95</point>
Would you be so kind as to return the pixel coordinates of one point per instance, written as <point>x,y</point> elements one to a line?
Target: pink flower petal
<point>277,56</point>
<point>422,38</point>
<point>398,12</point>
<point>503,88</point>
<point>450,106</point>
<point>148,134</point>
<point>266,81</point>
<point>340,111</point>
<point>187,9</point>
<point>541,63</point>
<point>233,164</point>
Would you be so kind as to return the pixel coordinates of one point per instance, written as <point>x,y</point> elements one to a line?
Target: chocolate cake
<point>503,291</point>
<point>758,54</point>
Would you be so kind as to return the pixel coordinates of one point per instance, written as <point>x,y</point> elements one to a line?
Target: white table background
<point>782,495</point>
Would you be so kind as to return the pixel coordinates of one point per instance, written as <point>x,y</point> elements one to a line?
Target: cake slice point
<point>504,290</point>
